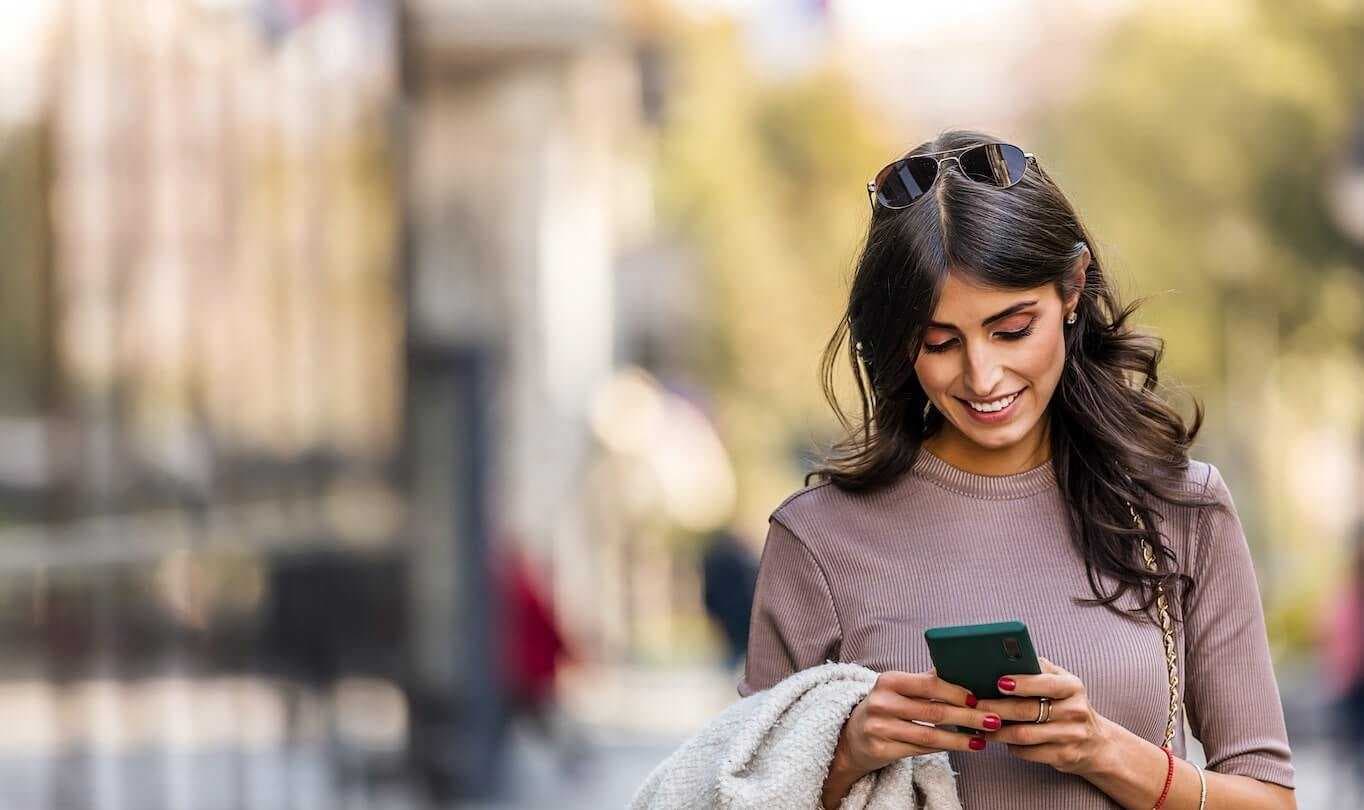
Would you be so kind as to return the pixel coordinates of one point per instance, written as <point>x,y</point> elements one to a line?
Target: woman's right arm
<point>794,625</point>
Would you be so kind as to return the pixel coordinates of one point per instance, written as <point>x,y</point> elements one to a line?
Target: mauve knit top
<point>859,577</point>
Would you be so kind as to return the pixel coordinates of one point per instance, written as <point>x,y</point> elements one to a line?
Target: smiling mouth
<point>1007,399</point>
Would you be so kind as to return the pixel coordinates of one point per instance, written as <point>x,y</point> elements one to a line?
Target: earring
<point>1071,317</point>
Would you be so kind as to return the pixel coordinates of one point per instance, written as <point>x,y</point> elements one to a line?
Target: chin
<point>994,441</point>
<point>997,438</point>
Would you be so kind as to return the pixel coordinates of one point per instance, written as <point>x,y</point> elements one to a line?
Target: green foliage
<point>1201,151</point>
<point>23,255</point>
<point>768,181</point>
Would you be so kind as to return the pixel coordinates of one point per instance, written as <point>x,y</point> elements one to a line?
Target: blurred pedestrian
<point>729,572</point>
<point>1343,667</point>
<point>533,649</point>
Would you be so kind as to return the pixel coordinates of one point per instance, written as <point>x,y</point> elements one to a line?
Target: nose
<point>983,373</point>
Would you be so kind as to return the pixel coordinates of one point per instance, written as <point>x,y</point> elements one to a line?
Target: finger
<point>1026,734</point>
<point>887,704</point>
<point>1017,710</point>
<point>925,685</point>
<point>1032,753</point>
<point>1051,666</point>
<point>1048,684</point>
<point>914,734</point>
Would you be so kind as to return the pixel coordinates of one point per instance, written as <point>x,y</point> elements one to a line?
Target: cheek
<point>1047,360</point>
<point>934,377</point>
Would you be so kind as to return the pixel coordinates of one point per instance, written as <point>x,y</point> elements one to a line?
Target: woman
<point>1009,416</point>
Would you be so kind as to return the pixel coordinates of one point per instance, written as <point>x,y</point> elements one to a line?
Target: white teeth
<point>997,405</point>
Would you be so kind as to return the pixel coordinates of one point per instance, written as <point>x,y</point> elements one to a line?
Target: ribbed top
<point>859,577</point>
<point>989,487</point>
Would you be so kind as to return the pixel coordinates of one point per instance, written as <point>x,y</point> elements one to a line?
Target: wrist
<point>1131,770</point>
<point>841,777</point>
<point>1109,762</point>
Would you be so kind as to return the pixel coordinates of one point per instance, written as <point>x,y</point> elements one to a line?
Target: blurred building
<point>526,185</point>
<point>314,304</point>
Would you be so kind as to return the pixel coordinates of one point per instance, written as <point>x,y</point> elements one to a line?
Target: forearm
<point>1134,773</point>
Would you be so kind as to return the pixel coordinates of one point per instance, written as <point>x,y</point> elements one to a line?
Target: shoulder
<point>802,512</point>
<point>1213,525</point>
<point>833,522</point>
<point>1202,481</point>
<point>813,508</point>
<point>807,495</point>
<point>1196,477</point>
<point>1203,494</point>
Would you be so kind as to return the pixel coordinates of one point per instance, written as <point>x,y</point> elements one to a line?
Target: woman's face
<point>1003,349</point>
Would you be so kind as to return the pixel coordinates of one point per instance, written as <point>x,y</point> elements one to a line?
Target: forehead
<point>964,301</point>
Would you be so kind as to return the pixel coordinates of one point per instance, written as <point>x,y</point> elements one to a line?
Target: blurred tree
<point>1201,146</point>
<point>767,179</point>
<point>24,331</point>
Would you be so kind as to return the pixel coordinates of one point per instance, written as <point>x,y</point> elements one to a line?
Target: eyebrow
<point>997,316</point>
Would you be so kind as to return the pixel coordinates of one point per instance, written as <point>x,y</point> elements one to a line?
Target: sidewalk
<point>630,720</point>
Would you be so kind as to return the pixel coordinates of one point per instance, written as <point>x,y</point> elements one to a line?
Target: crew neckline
<point>975,485</point>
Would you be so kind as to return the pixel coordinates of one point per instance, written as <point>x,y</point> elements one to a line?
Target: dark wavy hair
<point>1113,439</point>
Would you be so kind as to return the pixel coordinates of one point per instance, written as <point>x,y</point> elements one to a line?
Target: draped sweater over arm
<point>858,577</point>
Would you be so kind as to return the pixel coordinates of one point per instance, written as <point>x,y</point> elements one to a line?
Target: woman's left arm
<point>1230,691</point>
<point>1231,696</point>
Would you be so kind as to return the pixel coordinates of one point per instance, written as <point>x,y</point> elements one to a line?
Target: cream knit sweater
<point>772,749</point>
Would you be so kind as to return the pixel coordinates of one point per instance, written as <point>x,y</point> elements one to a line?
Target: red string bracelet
<point>1169,776</point>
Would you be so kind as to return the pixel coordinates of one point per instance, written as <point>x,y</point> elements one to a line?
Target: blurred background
<point>393,392</point>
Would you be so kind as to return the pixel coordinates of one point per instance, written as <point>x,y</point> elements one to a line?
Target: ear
<point>1077,271</point>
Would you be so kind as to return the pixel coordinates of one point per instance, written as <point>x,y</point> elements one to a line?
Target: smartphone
<point>976,655</point>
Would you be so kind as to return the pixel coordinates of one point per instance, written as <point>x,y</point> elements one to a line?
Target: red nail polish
<point>970,700</point>
<point>1007,684</point>
<point>977,743</point>
<point>991,722</point>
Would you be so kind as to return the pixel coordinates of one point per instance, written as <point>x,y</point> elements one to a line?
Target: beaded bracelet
<point>1169,776</point>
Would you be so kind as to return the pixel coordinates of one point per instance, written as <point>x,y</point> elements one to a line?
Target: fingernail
<point>1007,684</point>
<point>970,700</point>
<point>991,722</point>
<point>977,743</point>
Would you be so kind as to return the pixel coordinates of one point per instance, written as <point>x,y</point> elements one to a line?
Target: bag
<point>1167,628</point>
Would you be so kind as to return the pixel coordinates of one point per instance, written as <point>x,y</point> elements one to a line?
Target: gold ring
<point>1043,710</point>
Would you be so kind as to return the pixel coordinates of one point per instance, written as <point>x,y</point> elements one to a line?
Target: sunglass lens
<point>999,164</point>
<point>905,181</point>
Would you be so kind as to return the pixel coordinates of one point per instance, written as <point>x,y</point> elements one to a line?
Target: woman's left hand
<point>1075,739</point>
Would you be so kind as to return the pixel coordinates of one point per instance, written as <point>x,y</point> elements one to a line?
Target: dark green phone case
<point>974,656</point>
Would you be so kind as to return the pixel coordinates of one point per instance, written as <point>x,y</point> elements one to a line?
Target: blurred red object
<point>531,643</point>
<point>1343,648</point>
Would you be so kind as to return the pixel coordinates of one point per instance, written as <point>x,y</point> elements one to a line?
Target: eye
<point>1020,334</point>
<point>934,348</point>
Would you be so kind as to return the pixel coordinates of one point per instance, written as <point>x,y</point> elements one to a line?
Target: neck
<point>951,446</point>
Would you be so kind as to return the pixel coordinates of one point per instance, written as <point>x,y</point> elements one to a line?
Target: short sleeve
<point>1231,694</point>
<point>793,624</point>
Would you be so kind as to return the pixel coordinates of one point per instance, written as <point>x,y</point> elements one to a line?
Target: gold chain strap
<point>1167,628</point>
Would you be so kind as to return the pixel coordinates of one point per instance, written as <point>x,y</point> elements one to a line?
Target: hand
<point>883,728</point>
<point>1075,739</point>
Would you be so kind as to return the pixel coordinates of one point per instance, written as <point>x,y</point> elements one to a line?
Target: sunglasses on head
<point>909,178</point>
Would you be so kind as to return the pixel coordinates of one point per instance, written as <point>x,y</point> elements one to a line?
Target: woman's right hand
<point>881,729</point>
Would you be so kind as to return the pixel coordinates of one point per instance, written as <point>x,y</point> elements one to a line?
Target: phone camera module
<point>1011,649</point>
